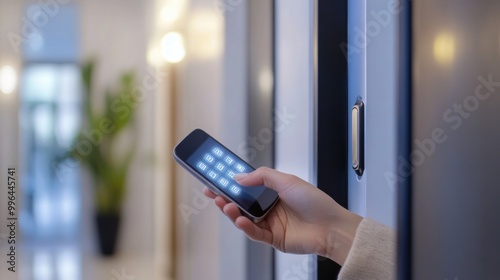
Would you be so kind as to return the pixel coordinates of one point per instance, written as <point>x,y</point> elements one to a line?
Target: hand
<point>304,221</point>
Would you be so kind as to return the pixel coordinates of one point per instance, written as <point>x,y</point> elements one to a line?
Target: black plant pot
<point>107,232</point>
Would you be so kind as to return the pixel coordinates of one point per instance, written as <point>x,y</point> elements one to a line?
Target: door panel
<point>455,154</point>
<point>372,78</point>
<point>356,56</point>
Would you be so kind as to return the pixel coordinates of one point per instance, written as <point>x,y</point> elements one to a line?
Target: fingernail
<point>240,176</point>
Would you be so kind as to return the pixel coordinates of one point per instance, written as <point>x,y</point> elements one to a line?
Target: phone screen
<point>218,165</point>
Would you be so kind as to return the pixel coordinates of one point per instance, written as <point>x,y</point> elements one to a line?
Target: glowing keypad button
<point>240,167</point>
<point>209,158</point>
<point>202,166</point>
<point>234,189</point>
<point>212,174</point>
<point>218,152</point>
<point>229,160</point>
<point>220,166</point>
<point>224,182</point>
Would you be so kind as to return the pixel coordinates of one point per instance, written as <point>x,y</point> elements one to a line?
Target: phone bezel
<point>189,145</point>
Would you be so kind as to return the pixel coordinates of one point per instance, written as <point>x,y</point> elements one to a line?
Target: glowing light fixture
<point>444,48</point>
<point>266,80</point>
<point>8,79</point>
<point>172,47</point>
<point>172,11</point>
<point>205,33</point>
<point>154,55</point>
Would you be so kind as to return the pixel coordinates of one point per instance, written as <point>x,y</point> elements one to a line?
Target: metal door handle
<point>358,137</point>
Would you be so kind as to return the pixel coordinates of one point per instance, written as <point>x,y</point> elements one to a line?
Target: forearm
<point>339,236</point>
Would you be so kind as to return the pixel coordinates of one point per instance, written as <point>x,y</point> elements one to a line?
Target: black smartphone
<point>215,165</point>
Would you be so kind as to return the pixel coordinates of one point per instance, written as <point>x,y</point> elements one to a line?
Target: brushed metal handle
<point>358,137</point>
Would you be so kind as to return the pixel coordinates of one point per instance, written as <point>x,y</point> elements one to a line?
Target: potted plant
<point>108,167</point>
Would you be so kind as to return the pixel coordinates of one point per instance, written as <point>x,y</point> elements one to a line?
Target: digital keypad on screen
<point>220,167</point>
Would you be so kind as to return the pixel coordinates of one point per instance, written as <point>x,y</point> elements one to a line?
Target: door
<point>356,64</point>
<point>352,56</point>
<point>454,159</point>
<point>371,54</point>
<point>373,128</point>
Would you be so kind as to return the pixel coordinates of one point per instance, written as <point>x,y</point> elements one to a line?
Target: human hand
<point>304,221</point>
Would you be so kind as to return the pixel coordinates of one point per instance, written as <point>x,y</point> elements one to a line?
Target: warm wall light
<point>266,80</point>
<point>172,47</point>
<point>171,11</point>
<point>154,55</point>
<point>8,79</point>
<point>205,34</point>
<point>444,48</point>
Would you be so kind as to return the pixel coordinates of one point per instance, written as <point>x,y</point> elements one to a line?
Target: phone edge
<point>213,188</point>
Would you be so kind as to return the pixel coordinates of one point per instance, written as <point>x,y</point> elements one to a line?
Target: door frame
<point>404,145</point>
<point>331,112</point>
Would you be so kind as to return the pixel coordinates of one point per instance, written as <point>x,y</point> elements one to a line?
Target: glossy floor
<point>71,263</point>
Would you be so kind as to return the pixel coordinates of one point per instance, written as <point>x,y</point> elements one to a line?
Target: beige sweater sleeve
<point>372,255</point>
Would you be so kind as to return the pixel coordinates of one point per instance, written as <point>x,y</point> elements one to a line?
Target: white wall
<point>200,102</point>
<point>233,243</point>
<point>9,12</point>
<point>294,92</point>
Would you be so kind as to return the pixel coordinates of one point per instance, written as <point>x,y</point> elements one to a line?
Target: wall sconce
<point>444,48</point>
<point>172,47</point>
<point>8,79</point>
<point>205,35</point>
<point>171,12</point>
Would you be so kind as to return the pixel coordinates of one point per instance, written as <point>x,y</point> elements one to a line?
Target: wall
<point>294,92</point>
<point>199,104</point>
<point>9,12</point>
<point>233,252</point>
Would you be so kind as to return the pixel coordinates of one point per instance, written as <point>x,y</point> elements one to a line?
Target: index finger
<point>268,177</point>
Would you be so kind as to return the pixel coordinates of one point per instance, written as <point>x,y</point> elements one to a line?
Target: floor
<point>70,263</point>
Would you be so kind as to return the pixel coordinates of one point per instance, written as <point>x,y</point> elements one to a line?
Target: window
<point>49,119</point>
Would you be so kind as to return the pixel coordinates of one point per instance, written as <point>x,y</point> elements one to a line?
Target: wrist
<point>340,235</point>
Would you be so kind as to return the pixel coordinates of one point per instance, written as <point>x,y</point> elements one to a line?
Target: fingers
<point>252,230</point>
<point>228,208</point>
<point>220,202</point>
<point>207,192</point>
<point>231,211</point>
<point>268,177</point>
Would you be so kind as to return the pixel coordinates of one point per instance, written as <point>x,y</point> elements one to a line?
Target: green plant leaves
<point>94,144</point>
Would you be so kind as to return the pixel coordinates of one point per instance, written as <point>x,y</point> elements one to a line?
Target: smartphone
<point>215,165</point>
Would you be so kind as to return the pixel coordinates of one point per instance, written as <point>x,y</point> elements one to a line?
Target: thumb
<point>268,177</point>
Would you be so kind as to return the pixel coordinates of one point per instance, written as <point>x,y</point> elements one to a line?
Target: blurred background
<point>171,47</point>
<point>112,86</point>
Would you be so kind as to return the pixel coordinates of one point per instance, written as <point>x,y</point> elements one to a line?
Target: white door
<point>372,72</point>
